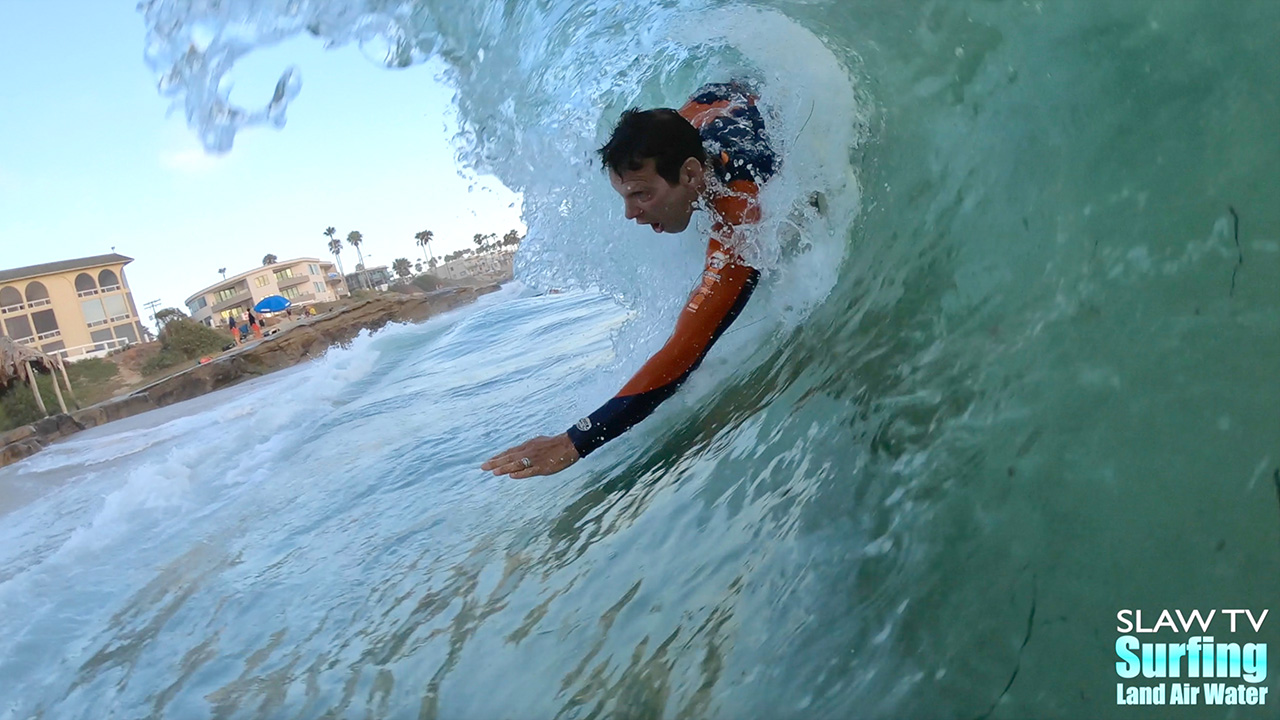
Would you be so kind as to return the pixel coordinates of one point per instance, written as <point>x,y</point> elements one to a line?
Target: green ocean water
<point>1020,376</point>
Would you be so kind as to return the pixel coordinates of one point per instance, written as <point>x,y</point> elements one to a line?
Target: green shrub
<point>428,282</point>
<point>92,370</point>
<point>184,339</point>
<point>191,339</point>
<point>18,406</point>
<point>162,360</point>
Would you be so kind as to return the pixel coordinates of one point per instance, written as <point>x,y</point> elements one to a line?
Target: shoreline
<point>301,342</point>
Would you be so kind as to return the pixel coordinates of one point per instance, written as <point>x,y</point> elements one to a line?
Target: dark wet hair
<point>661,134</point>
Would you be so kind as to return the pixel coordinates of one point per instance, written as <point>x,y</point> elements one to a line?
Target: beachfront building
<point>378,278</point>
<point>305,281</point>
<point>491,263</point>
<point>75,308</point>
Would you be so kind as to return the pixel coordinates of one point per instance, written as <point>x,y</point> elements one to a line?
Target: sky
<point>92,161</point>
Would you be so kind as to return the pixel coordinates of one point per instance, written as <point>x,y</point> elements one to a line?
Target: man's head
<point>656,163</point>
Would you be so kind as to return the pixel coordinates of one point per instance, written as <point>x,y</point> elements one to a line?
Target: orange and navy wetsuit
<point>741,158</point>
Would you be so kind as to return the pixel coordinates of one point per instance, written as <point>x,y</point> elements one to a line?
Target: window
<point>10,297</point>
<point>126,332</point>
<point>18,328</point>
<point>108,280</point>
<point>102,339</point>
<point>225,295</point>
<point>37,294</point>
<point>46,323</point>
<point>93,312</point>
<point>319,287</point>
<point>284,274</point>
<point>116,309</point>
<point>315,269</point>
<point>290,292</point>
<point>261,281</point>
<point>85,285</point>
<point>198,304</point>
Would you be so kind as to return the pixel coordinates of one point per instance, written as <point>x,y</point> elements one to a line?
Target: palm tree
<point>269,259</point>
<point>511,238</point>
<point>424,240</point>
<point>417,267</point>
<point>335,248</point>
<point>354,239</point>
<point>402,267</point>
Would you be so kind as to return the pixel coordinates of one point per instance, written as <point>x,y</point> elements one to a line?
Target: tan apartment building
<point>76,308</point>
<point>304,281</point>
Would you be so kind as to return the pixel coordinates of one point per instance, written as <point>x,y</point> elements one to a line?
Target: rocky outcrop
<point>113,409</point>
<point>306,340</point>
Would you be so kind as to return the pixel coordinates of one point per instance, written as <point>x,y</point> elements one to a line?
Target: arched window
<point>85,284</point>
<point>36,292</point>
<point>10,297</point>
<point>108,278</point>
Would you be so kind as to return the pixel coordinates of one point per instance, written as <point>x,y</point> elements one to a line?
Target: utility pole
<point>152,307</point>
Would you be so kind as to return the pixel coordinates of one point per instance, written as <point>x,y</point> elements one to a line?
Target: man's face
<point>650,200</point>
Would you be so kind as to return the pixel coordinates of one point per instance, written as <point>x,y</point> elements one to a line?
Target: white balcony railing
<point>87,293</point>
<point>49,335</point>
<point>39,303</point>
<point>109,288</point>
<point>98,349</point>
<point>12,308</point>
<point>118,318</point>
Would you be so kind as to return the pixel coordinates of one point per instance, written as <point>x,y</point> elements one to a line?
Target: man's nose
<point>631,211</point>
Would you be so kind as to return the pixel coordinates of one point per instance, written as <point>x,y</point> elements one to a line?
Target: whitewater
<point>1014,374</point>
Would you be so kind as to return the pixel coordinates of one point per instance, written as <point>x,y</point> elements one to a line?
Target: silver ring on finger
<point>526,462</point>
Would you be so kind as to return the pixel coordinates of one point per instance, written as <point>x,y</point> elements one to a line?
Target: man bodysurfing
<point>713,153</point>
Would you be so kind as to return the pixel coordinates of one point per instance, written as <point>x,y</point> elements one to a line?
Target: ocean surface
<point>1019,373</point>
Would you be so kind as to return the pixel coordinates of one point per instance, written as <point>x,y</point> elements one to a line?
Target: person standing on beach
<point>713,154</point>
<point>253,325</point>
<point>235,329</point>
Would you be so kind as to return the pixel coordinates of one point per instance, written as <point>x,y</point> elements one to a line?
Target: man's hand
<point>540,456</point>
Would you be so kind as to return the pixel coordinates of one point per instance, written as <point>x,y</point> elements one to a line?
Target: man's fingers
<point>495,461</point>
<point>508,467</point>
<point>512,454</point>
<point>504,457</point>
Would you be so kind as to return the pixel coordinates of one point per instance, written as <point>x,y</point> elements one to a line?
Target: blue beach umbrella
<point>272,304</point>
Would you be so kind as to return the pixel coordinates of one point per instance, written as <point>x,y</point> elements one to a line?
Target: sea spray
<point>1016,377</point>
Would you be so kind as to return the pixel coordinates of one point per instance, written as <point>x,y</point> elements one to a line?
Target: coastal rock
<point>90,417</point>
<point>127,406</point>
<point>55,427</point>
<point>17,434</point>
<point>13,452</point>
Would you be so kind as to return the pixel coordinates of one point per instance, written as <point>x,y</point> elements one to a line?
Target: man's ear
<point>691,172</point>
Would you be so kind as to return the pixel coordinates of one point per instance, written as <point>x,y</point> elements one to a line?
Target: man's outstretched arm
<point>719,298</point>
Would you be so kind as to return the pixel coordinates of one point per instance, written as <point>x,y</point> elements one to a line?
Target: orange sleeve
<point>722,292</point>
<point>723,282</point>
